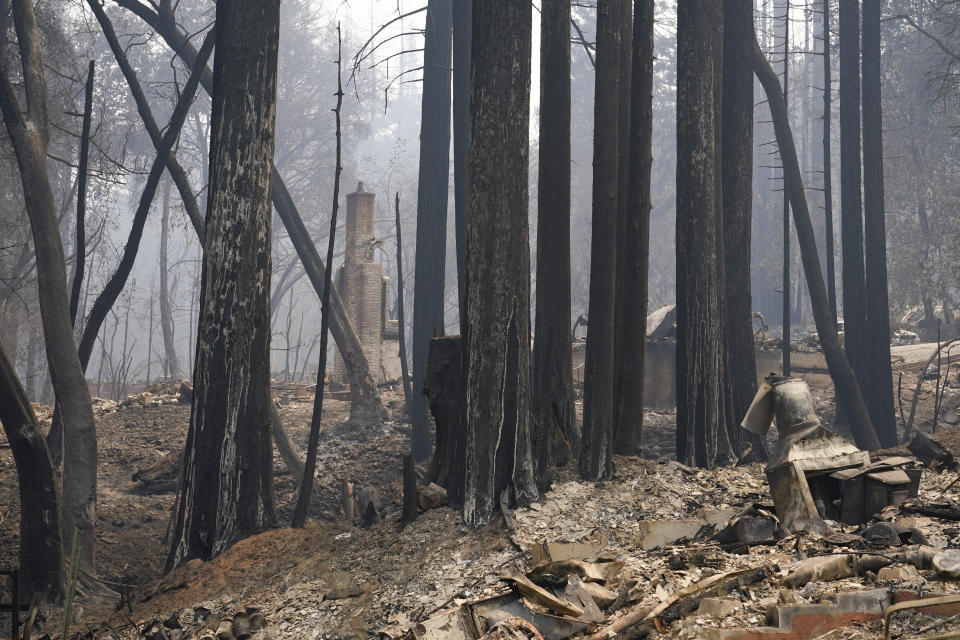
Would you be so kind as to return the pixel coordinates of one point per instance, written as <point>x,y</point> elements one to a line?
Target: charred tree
<point>633,247</point>
<point>498,456</point>
<point>81,243</point>
<point>432,188</point>
<point>29,133</point>
<point>41,547</point>
<point>401,314</point>
<point>877,335</point>
<point>702,418</point>
<point>596,446</point>
<point>848,390</point>
<point>553,413</point>
<point>310,465</point>
<point>443,388</point>
<point>738,207</point>
<point>171,363</point>
<point>462,11</point>
<point>365,401</point>
<point>785,295</point>
<point>828,160</point>
<point>226,486</point>
<point>851,210</point>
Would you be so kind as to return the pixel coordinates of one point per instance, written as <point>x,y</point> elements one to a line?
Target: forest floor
<point>335,579</point>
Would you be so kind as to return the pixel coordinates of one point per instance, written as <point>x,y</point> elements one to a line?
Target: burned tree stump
<point>444,390</point>
<point>409,491</point>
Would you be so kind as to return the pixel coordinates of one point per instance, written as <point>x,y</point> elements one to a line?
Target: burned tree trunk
<point>401,313</point>
<point>848,390</point>
<point>596,447</point>
<point>462,11</point>
<point>553,413</point>
<point>828,159</point>
<point>498,457</point>
<point>226,484</point>
<point>851,211</point>
<point>30,136</point>
<point>738,206</point>
<point>431,208</point>
<point>171,363</point>
<point>365,401</point>
<point>634,240</point>
<point>41,548</point>
<point>877,336</point>
<point>443,387</point>
<point>81,244</point>
<point>702,438</point>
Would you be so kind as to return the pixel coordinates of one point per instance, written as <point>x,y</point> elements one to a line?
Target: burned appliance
<point>813,472</point>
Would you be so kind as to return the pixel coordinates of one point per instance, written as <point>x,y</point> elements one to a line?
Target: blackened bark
<point>365,401</point>
<point>432,190</point>
<point>877,348</point>
<point>41,548</point>
<point>498,456</point>
<point>848,390</point>
<point>226,483</point>
<point>634,240</point>
<point>596,447</point>
<point>401,314</point>
<point>785,296</point>
<point>851,212</point>
<point>552,384</point>
<point>828,159</point>
<point>29,134</point>
<point>171,363</point>
<point>702,438</point>
<point>81,243</point>
<point>443,388</point>
<point>620,318</point>
<point>462,10</point>
<point>738,207</point>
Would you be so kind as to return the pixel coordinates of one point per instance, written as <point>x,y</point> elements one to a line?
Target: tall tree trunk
<point>929,315</point>
<point>462,10</point>
<point>738,203</point>
<point>621,386</point>
<point>848,390</point>
<point>785,264</point>
<point>828,160</point>
<point>498,456</point>
<point>851,213</point>
<point>633,246</point>
<point>552,384</point>
<point>365,401</point>
<point>171,363</point>
<point>432,194</point>
<point>30,137</point>
<point>702,438</point>
<point>227,479</point>
<point>41,548</point>
<point>401,313</point>
<point>877,336</point>
<point>596,447</point>
<point>81,248</point>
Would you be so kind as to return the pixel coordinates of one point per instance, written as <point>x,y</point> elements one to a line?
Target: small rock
<point>898,573</point>
<point>718,607</point>
<point>194,564</point>
<point>432,496</point>
<point>947,563</point>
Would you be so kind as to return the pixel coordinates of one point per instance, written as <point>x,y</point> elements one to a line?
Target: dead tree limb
<point>303,499</point>
<point>840,370</point>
